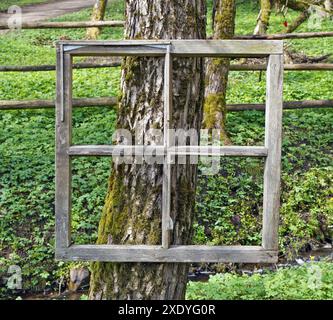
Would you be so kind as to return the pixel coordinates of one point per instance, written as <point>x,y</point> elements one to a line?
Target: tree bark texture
<point>217,71</point>
<point>132,212</point>
<point>97,15</point>
<point>264,16</point>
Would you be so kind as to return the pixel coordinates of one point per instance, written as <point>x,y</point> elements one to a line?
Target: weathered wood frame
<point>271,151</point>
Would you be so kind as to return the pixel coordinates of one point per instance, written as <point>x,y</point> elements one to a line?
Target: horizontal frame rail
<point>174,254</point>
<point>186,48</point>
<point>108,150</point>
<point>237,151</point>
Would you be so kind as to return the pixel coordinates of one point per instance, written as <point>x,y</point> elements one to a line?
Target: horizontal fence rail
<point>52,67</point>
<point>113,101</point>
<point>233,67</point>
<point>50,104</point>
<point>102,24</point>
<point>283,36</point>
<point>287,67</point>
<point>287,105</point>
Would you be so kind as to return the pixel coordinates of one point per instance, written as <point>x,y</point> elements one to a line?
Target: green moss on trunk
<point>217,71</point>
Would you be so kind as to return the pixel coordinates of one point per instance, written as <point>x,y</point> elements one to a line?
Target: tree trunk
<point>217,71</point>
<point>132,212</point>
<point>97,15</point>
<point>303,16</point>
<point>263,18</point>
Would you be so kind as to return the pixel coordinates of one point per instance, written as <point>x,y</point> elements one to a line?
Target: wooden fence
<point>103,24</point>
<point>233,67</point>
<point>112,101</point>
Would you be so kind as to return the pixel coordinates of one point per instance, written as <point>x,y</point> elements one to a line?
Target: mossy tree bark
<point>263,18</point>
<point>217,71</point>
<point>97,15</point>
<point>132,212</point>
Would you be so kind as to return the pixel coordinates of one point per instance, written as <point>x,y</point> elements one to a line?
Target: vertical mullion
<point>273,137</point>
<point>166,189</point>
<point>63,142</point>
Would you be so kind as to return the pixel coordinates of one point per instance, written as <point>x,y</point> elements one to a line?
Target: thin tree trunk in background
<point>132,212</point>
<point>214,12</point>
<point>263,18</point>
<point>97,15</point>
<point>217,71</point>
<point>303,16</point>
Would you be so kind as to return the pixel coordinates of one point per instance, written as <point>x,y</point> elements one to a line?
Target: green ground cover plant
<point>313,281</point>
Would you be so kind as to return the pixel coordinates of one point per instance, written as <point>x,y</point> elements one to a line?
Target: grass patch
<point>313,281</point>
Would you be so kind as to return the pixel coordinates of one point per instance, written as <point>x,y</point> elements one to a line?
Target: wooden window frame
<point>271,151</point>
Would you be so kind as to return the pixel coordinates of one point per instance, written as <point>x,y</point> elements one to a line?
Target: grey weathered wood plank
<point>165,253</point>
<point>175,254</point>
<point>273,138</point>
<point>108,150</point>
<point>226,48</point>
<point>167,223</point>
<point>63,140</point>
<point>134,50</point>
<point>112,42</point>
<point>237,151</point>
<point>199,48</point>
